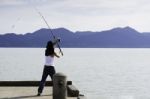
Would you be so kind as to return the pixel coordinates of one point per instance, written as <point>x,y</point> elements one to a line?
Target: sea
<point>99,73</point>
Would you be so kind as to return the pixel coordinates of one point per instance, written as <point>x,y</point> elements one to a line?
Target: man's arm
<point>56,55</point>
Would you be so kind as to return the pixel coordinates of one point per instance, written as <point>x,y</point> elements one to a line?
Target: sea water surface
<point>99,73</point>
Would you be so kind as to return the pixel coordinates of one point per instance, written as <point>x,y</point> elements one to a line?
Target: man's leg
<point>52,72</point>
<point>42,83</point>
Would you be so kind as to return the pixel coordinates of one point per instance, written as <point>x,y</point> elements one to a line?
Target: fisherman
<point>49,63</point>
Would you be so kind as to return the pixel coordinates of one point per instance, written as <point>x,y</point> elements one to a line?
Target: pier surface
<point>26,93</point>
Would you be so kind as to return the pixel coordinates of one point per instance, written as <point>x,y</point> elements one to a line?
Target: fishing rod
<point>54,37</point>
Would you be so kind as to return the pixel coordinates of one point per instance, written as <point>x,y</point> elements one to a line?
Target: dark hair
<point>49,49</point>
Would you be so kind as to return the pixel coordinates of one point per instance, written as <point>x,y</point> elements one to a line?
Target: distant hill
<point>126,37</point>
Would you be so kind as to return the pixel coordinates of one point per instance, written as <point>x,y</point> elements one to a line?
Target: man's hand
<point>56,40</point>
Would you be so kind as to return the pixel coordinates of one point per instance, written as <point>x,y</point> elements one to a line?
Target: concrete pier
<point>26,93</point>
<point>60,88</point>
<point>28,90</point>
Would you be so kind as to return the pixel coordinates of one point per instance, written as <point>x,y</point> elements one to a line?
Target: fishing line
<point>14,25</point>
<point>43,18</point>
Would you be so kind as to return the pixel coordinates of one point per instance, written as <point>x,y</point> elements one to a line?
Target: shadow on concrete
<point>20,97</point>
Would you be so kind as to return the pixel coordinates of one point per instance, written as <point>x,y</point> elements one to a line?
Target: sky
<point>20,16</point>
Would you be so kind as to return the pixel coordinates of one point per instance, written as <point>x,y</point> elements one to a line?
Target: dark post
<point>59,86</point>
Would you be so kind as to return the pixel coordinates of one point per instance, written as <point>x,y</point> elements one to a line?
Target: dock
<point>28,90</point>
<point>26,93</point>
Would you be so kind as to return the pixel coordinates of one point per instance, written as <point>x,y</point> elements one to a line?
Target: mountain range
<point>126,37</point>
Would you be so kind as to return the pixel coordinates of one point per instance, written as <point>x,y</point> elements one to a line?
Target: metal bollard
<point>59,86</point>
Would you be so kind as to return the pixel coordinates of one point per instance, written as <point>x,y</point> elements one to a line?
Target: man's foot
<point>39,94</point>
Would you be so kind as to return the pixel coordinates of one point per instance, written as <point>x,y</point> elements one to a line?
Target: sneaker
<point>39,94</point>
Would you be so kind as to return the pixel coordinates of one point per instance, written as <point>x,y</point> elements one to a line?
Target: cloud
<point>76,14</point>
<point>6,3</point>
<point>97,7</point>
<point>11,2</point>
